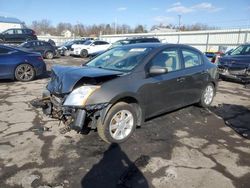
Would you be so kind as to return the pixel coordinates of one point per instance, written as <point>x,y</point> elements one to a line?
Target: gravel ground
<point>190,147</point>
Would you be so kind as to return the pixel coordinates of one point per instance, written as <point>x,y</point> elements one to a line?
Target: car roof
<point>142,38</point>
<point>246,44</point>
<point>37,41</point>
<point>157,45</point>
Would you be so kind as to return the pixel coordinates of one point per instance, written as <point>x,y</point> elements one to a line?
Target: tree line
<point>43,27</point>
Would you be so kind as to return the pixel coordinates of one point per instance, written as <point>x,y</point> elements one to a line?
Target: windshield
<point>237,51</point>
<point>68,43</point>
<point>120,59</point>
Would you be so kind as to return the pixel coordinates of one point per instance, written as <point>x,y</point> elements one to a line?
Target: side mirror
<point>156,70</point>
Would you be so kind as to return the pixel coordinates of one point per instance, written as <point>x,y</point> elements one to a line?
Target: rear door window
<point>103,42</point>
<point>27,31</point>
<point>191,58</point>
<point>19,31</point>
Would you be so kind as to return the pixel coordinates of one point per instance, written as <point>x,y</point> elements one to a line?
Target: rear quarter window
<point>27,31</point>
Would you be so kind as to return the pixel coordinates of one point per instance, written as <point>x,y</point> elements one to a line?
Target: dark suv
<point>134,41</point>
<point>17,35</point>
<point>46,49</point>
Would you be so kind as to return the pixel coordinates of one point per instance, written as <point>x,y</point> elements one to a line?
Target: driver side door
<point>164,92</point>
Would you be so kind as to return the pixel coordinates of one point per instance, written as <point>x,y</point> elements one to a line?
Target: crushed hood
<point>64,78</point>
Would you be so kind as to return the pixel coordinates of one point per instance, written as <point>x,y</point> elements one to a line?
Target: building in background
<point>8,23</point>
<point>162,30</point>
<point>67,33</point>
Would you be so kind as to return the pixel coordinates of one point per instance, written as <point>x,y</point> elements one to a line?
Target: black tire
<point>204,101</point>
<point>25,72</point>
<point>104,129</point>
<point>84,53</point>
<point>28,39</point>
<point>49,55</point>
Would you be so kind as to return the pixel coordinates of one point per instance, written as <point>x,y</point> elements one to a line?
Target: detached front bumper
<point>74,117</point>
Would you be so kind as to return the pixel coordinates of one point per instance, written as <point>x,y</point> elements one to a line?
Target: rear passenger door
<point>20,36</point>
<point>195,76</point>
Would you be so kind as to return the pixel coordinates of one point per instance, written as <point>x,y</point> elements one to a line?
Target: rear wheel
<point>119,123</point>
<point>207,95</point>
<point>84,53</point>
<point>28,39</point>
<point>49,55</point>
<point>24,73</point>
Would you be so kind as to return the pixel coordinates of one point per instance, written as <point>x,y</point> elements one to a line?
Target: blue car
<point>236,64</point>
<point>20,65</point>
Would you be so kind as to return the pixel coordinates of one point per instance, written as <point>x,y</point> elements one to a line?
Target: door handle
<point>181,79</point>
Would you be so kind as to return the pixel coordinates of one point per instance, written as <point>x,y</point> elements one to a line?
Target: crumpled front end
<point>74,117</point>
<point>235,71</point>
<point>66,95</point>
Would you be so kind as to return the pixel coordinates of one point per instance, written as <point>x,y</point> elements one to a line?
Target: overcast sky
<point>223,13</point>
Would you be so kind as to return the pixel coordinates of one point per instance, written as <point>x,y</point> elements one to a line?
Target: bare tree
<point>140,29</point>
<point>43,27</point>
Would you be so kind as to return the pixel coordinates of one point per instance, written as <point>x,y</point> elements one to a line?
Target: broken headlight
<point>79,96</point>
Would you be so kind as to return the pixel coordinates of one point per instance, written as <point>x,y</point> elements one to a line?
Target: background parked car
<point>236,65</point>
<point>20,65</point>
<point>47,50</point>
<point>218,55</point>
<point>210,55</point>
<point>90,47</point>
<point>65,49</point>
<point>134,41</point>
<point>17,35</point>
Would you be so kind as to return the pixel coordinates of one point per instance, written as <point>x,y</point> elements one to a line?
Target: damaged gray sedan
<point>121,88</point>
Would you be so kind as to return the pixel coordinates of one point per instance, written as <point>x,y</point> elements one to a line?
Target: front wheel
<point>207,95</point>
<point>24,73</point>
<point>84,53</point>
<point>119,123</point>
